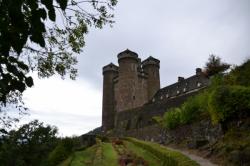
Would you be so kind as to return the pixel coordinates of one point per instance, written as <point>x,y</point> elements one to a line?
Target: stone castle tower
<point>129,85</point>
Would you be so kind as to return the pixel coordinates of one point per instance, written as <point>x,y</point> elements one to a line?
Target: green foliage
<point>227,102</point>
<point>193,107</point>
<point>215,66</point>
<point>63,150</point>
<point>82,158</point>
<point>110,157</point>
<point>171,119</point>
<point>141,152</point>
<point>27,146</point>
<point>167,157</point>
<point>227,97</point>
<point>241,74</point>
<point>100,154</point>
<point>33,40</point>
<point>186,113</point>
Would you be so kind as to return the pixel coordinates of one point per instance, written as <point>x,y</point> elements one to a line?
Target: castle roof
<point>110,67</point>
<point>183,86</point>
<point>151,61</point>
<point>127,54</point>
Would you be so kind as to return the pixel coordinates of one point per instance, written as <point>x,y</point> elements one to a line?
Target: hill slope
<point>129,151</point>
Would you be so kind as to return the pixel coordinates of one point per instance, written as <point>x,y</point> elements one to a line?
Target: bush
<point>171,119</point>
<point>241,74</point>
<point>191,109</point>
<point>227,102</point>
<point>187,113</point>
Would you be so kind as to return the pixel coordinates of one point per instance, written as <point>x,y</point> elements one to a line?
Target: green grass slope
<point>101,154</point>
<point>130,151</point>
<point>167,157</point>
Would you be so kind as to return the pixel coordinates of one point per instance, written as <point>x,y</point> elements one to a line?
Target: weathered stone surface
<point>134,88</point>
<point>108,112</point>
<point>194,135</point>
<point>194,144</point>
<point>128,86</point>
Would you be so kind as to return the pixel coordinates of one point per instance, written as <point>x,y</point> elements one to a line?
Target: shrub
<point>171,119</point>
<point>187,113</point>
<point>192,108</point>
<point>227,102</point>
<point>242,74</point>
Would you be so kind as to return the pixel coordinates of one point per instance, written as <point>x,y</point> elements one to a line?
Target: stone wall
<point>193,135</point>
<point>142,116</point>
<point>132,90</point>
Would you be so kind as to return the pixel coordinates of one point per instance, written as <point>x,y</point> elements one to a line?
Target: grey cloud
<point>181,33</point>
<point>68,124</point>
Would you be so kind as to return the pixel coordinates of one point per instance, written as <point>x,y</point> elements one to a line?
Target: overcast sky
<point>180,33</point>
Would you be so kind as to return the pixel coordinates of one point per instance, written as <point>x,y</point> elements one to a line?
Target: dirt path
<point>198,159</point>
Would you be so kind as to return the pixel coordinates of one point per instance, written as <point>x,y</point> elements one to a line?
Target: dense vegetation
<point>29,145</point>
<point>226,99</point>
<point>34,144</point>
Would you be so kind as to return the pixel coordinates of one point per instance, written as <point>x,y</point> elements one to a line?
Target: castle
<point>135,85</point>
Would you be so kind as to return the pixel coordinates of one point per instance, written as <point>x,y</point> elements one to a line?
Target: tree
<point>29,145</point>
<point>32,38</point>
<point>215,66</point>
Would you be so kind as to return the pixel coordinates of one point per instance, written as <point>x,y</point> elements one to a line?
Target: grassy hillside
<point>130,151</point>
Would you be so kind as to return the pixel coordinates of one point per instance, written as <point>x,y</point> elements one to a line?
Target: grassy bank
<point>104,154</point>
<point>101,154</point>
<point>164,155</point>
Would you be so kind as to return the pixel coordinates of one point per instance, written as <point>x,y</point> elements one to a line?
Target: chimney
<point>180,79</point>
<point>198,71</point>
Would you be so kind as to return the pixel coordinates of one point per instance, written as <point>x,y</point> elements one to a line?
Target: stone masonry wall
<point>142,116</point>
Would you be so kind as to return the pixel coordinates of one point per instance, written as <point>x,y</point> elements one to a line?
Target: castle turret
<point>128,80</point>
<point>108,112</point>
<point>151,67</point>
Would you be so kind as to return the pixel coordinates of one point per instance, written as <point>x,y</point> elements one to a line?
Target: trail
<point>198,159</point>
